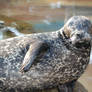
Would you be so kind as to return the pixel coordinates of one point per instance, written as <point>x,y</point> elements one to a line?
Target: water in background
<point>30,16</point>
<point>43,15</point>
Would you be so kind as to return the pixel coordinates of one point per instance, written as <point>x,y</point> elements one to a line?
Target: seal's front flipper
<point>67,87</point>
<point>35,49</point>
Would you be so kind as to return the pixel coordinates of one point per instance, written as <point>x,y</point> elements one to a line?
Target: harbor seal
<point>46,60</point>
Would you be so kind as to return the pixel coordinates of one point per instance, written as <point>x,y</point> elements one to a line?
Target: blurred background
<point>29,16</point>
<point>20,17</point>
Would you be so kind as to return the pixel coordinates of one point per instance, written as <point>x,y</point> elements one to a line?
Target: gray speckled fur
<point>57,66</point>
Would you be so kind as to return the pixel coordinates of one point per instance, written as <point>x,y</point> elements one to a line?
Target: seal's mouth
<point>82,44</point>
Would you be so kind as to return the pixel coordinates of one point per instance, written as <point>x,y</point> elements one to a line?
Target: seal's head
<point>78,30</point>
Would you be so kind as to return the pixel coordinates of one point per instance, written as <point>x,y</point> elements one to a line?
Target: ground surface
<point>86,79</point>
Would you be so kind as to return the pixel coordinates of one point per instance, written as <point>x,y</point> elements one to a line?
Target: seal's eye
<point>79,36</point>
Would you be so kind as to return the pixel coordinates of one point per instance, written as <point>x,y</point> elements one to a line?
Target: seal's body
<point>44,60</point>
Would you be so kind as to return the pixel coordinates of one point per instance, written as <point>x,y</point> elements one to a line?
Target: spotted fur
<point>61,63</point>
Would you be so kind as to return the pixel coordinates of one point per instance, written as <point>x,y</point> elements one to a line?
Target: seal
<point>46,60</point>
